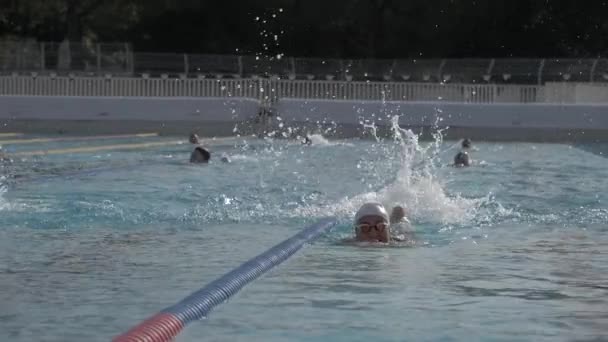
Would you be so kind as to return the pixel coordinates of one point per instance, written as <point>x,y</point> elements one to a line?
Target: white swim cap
<point>371,209</point>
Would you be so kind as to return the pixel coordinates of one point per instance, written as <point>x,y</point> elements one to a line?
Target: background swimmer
<point>225,159</point>
<point>200,155</point>
<point>4,157</point>
<point>462,159</point>
<point>194,139</point>
<point>466,143</point>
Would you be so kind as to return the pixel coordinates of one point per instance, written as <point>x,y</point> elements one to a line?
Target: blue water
<point>513,249</point>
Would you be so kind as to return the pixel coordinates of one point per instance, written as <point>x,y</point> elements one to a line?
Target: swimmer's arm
<point>403,231</point>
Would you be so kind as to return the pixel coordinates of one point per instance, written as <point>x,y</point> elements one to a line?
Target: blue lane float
<point>168,323</point>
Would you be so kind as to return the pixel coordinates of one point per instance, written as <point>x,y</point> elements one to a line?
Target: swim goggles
<point>366,227</point>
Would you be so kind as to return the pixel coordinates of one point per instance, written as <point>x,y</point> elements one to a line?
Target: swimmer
<point>466,144</point>
<point>4,157</point>
<point>194,139</point>
<point>200,155</point>
<point>372,224</point>
<point>307,141</point>
<point>225,159</point>
<point>462,159</point>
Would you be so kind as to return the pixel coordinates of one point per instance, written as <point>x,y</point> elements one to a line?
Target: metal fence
<point>475,71</point>
<point>407,91</point>
<point>267,90</point>
<point>66,57</point>
<point>119,59</point>
<point>129,86</point>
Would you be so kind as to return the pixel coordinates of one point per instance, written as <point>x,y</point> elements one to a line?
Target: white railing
<point>129,86</point>
<point>401,91</point>
<point>268,90</point>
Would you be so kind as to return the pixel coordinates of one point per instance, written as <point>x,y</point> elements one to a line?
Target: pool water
<point>512,249</point>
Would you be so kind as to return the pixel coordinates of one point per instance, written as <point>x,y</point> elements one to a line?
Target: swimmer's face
<point>372,229</point>
<point>194,139</point>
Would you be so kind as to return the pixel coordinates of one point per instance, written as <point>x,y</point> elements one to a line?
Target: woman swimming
<point>373,224</point>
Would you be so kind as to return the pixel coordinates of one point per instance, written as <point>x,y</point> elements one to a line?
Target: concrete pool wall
<point>219,116</point>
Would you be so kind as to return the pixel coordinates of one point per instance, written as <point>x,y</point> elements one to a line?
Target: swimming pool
<point>511,249</point>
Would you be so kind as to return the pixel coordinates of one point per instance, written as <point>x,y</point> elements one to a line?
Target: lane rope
<point>168,323</point>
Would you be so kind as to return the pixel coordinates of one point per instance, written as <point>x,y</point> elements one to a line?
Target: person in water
<point>462,159</point>
<point>225,159</point>
<point>200,155</point>
<point>3,156</point>
<point>307,141</point>
<point>373,224</point>
<point>194,139</point>
<point>466,144</point>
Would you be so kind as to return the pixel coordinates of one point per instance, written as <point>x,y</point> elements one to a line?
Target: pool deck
<point>218,117</point>
<point>344,131</point>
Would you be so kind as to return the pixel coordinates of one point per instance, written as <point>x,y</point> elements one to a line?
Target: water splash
<point>319,140</point>
<point>416,185</point>
<point>4,177</point>
<point>3,190</point>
